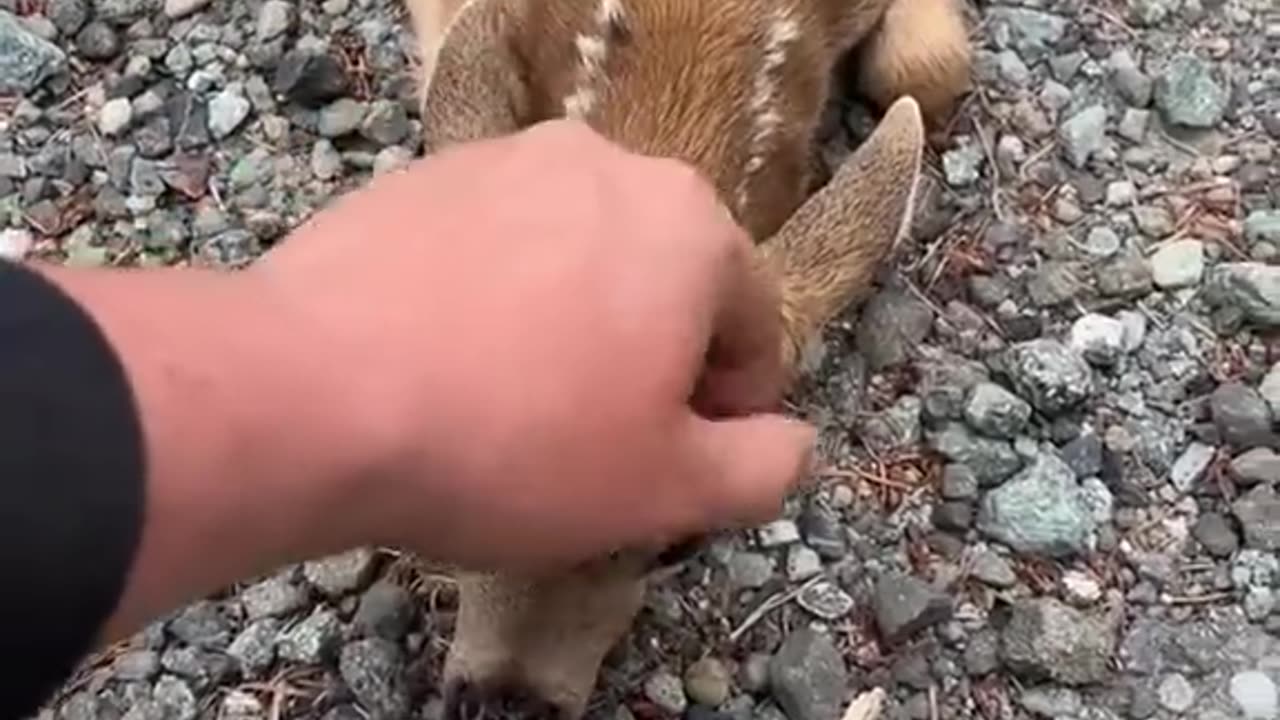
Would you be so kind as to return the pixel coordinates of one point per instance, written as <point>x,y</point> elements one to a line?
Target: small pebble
<point>666,691</point>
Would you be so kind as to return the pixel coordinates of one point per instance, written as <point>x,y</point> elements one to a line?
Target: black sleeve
<point>71,504</point>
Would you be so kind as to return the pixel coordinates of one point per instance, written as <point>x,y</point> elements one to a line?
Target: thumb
<point>749,464</point>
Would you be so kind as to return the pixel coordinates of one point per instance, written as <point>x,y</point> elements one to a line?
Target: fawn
<point>735,88</point>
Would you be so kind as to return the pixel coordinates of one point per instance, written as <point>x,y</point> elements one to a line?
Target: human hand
<point>531,323</point>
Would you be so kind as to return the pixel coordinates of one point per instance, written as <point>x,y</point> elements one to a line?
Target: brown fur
<point>735,89</point>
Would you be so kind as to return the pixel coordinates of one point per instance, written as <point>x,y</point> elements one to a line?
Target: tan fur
<point>921,50</point>
<point>735,89</point>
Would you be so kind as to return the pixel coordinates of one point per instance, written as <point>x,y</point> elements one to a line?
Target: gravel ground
<point>1050,439</point>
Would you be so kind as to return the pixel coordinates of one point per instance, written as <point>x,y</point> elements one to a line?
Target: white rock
<point>1176,694</point>
<point>1080,588</point>
<point>778,532</point>
<point>114,116</point>
<point>1255,694</point>
<point>1135,328</point>
<point>1190,465</point>
<point>275,17</point>
<point>181,8</point>
<point>802,563</point>
<point>15,243</point>
<point>227,110</point>
<point>1178,264</point>
<point>1100,339</point>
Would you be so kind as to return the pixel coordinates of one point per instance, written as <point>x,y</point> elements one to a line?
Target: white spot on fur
<point>782,31</point>
<point>593,50</point>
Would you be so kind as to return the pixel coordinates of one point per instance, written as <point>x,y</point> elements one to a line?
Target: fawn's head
<point>735,89</point>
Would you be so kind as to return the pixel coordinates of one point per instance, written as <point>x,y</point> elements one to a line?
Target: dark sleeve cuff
<point>72,474</point>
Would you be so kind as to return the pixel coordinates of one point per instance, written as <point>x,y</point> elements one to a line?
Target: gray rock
<point>1151,13</point>
<point>1083,134</point>
<point>945,382</point>
<point>1124,276</point>
<point>961,165</point>
<point>1190,466</point>
<point>1156,222</point>
<point>991,461</point>
<point>992,569</point>
<point>1213,531</point>
<point>958,483</point>
<point>1051,375</point>
<point>1251,287</point>
<point>1133,124</point>
<point>1254,694</point>
<point>1084,455</point>
<point>176,9</point>
<point>1175,693</point>
<point>29,60</point>
<point>202,624</point>
<point>1259,465</point>
<point>340,117</point>
<point>125,12</point>
<point>1178,264</point>
<point>391,158</point>
<point>311,641</point>
<point>1051,702</point>
<point>136,665</point>
<point>1258,603</point>
<point>254,649</point>
<point>905,605</point>
<point>802,563</point>
<point>1053,283</point>
<point>272,597</point>
<point>227,110</point>
<point>1259,514</point>
<point>385,610</point>
<point>807,676</point>
<point>1040,511</point>
<point>1133,85</point>
<point>777,533</point>
<point>68,15</point>
<point>326,161</point>
<point>1269,388</point>
<point>996,412</point>
<point>1242,417</point>
<point>893,322</point>
<point>386,123</point>
<point>666,691</point>
<point>114,116</point>
<point>98,41</point>
<point>982,653</point>
<point>341,574</point>
<point>749,570</point>
<point>823,531</point>
<point>707,682</point>
<point>309,77</point>
<point>172,699</point>
<point>1188,95</point>
<point>1047,639</point>
<point>275,18</point>
<point>825,600</point>
<point>1098,338</point>
<point>895,428</point>
<point>374,670</point>
<point>1262,226</point>
<point>1031,32</point>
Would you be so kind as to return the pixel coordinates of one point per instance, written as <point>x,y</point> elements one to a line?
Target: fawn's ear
<point>827,254</point>
<point>474,87</point>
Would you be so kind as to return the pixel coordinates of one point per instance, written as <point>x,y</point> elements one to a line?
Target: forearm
<point>246,458</point>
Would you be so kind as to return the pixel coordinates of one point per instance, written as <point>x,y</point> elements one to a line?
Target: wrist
<point>251,459</point>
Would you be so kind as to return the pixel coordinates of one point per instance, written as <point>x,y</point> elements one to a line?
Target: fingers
<point>743,370</point>
<point>746,466</point>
